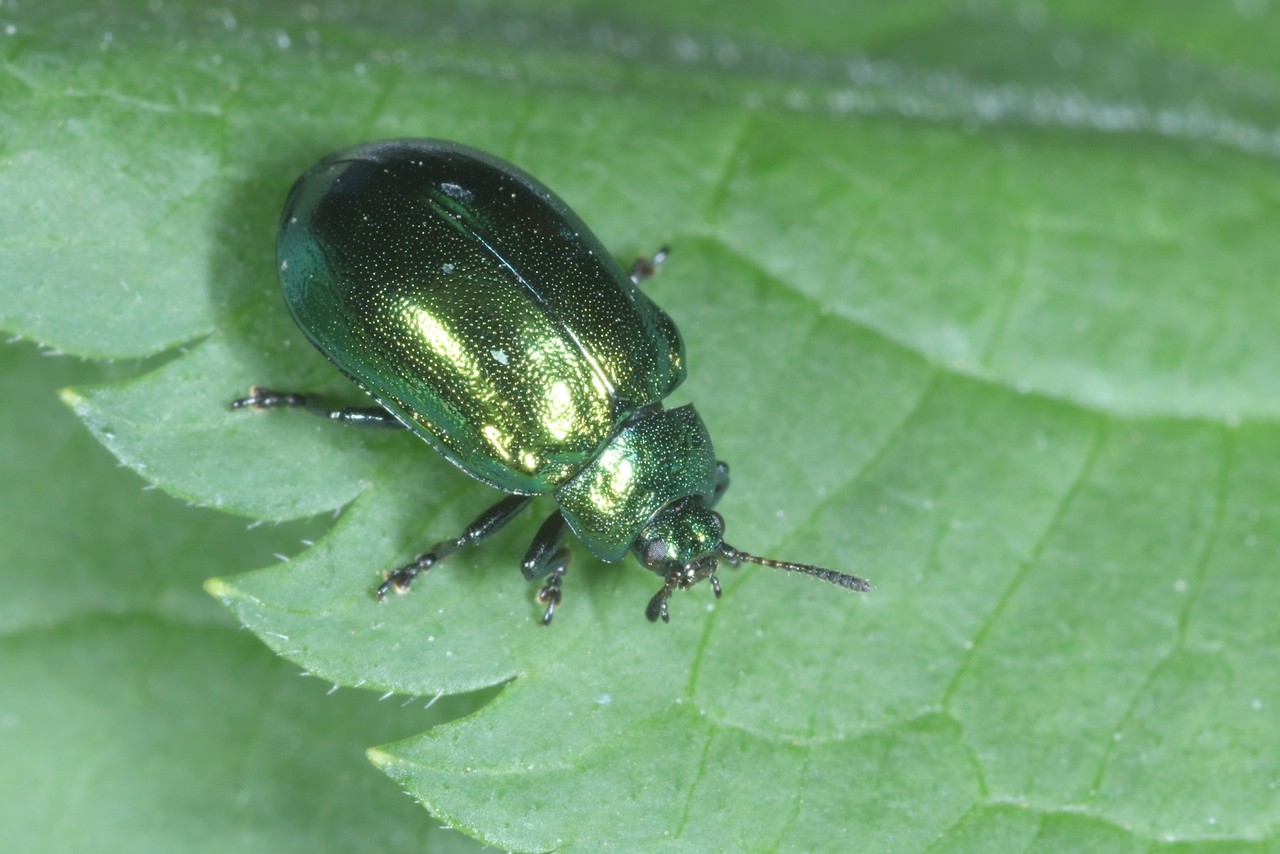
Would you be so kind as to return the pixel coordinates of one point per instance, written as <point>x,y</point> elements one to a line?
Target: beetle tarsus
<point>265,398</point>
<point>646,268</point>
<point>551,595</point>
<point>400,579</point>
<point>657,608</point>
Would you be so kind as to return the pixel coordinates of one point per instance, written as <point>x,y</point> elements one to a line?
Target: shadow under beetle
<point>483,315</point>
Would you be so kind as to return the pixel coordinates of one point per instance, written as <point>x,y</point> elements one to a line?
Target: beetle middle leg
<point>722,482</point>
<point>356,416</point>
<point>548,557</point>
<point>485,525</point>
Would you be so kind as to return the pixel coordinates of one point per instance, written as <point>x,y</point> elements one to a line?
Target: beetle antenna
<point>850,582</point>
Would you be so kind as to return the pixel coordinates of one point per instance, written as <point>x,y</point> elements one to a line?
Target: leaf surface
<point>978,303</point>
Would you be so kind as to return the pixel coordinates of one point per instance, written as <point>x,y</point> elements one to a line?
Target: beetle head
<point>682,545</point>
<point>685,543</point>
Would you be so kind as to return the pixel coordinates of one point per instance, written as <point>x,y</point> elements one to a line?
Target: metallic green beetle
<point>483,315</point>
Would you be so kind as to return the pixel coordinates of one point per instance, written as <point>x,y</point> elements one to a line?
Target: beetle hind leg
<point>356,416</point>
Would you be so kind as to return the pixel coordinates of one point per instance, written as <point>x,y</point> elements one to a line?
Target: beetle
<point>481,314</point>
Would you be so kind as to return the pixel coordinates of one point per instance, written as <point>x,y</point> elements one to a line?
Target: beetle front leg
<point>481,529</point>
<point>657,607</point>
<point>548,558</point>
<point>355,416</point>
<point>682,578</point>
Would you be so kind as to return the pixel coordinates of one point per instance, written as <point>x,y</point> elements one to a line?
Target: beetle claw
<point>397,581</point>
<point>400,579</point>
<point>551,596</point>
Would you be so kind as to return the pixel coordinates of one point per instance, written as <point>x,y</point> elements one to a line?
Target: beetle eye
<point>655,554</point>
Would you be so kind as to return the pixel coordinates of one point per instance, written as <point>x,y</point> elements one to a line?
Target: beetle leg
<point>540,559</point>
<point>645,268</point>
<point>481,529</point>
<point>657,607</point>
<point>682,578</point>
<point>356,416</point>
<point>550,594</point>
<point>722,481</point>
<point>715,584</point>
<point>547,556</point>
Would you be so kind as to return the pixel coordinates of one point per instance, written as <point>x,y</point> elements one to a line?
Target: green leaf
<point>978,304</point>
<point>134,714</point>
